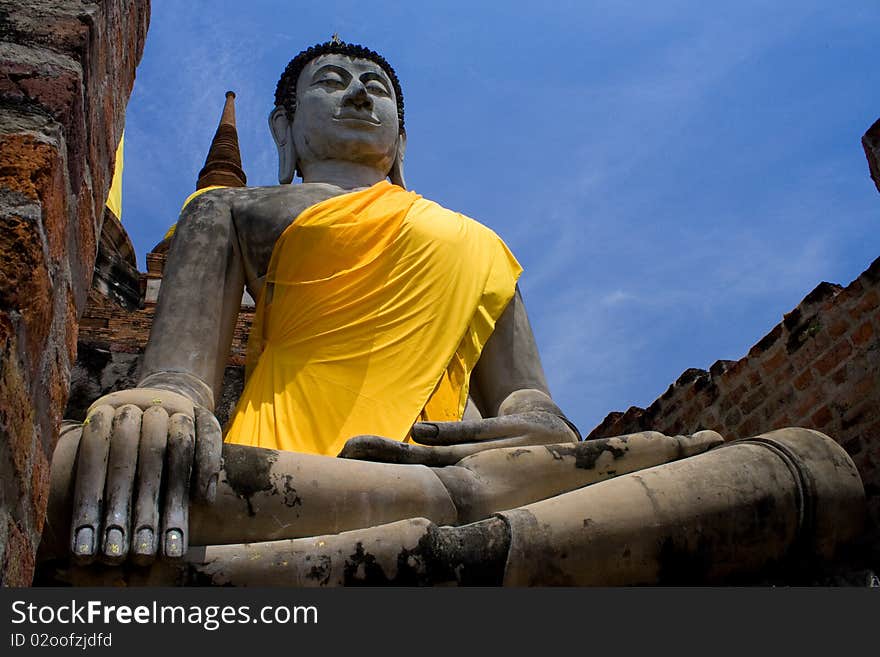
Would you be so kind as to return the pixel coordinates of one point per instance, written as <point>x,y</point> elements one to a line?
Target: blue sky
<point>673,176</point>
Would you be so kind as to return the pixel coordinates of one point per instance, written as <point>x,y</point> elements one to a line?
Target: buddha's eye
<point>377,88</point>
<point>330,79</point>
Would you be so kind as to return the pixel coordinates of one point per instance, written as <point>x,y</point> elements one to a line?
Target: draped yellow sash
<point>375,309</point>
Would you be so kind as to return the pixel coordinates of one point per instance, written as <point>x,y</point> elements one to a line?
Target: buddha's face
<point>346,109</point>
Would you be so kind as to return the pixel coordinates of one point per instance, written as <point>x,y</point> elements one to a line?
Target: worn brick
<point>867,384</point>
<point>860,415</point>
<point>821,418</point>
<point>765,343</point>
<point>778,403</point>
<point>736,395</point>
<point>751,426</point>
<point>779,423</point>
<point>813,346</point>
<point>838,327</point>
<point>732,418</point>
<point>753,401</point>
<point>862,334</point>
<point>806,403</point>
<point>839,376</point>
<point>833,357</point>
<point>774,362</point>
<point>803,380</point>
<point>866,303</point>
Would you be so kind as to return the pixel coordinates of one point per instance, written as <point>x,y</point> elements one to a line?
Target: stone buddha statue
<point>396,424</point>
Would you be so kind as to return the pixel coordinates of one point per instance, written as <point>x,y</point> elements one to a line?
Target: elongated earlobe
<point>396,173</point>
<point>280,126</point>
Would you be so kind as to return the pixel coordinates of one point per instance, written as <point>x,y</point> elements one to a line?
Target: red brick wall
<point>66,72</point>
<point>108,325</point>
<point>818,368</point>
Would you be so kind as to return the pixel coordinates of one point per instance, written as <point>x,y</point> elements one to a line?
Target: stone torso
<point>261,214</point>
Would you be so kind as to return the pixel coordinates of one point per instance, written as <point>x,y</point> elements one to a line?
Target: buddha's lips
<point>357,116</point>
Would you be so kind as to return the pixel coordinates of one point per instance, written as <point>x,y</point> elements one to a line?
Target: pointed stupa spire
<point>223,164</point>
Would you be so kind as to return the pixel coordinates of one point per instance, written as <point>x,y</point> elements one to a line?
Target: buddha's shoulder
<point>284,199</point>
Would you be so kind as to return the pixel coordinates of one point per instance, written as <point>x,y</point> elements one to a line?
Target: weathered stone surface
<point>66,72</point>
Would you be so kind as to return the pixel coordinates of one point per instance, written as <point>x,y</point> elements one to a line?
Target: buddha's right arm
<point>143,454</point>
<point>198,304</point>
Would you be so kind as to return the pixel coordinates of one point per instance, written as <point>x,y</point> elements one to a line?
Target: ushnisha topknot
<point>285,92</point>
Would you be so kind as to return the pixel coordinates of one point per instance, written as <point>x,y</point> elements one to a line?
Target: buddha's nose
<point>358,97</point>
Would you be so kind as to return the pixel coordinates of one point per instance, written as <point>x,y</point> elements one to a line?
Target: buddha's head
<point>341,102</point>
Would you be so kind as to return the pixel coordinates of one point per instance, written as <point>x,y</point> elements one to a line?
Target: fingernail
<point>425,430</point>
<point>211,493</point>
<point>85,541</point>
<point>113,541</point>
<point>173,543</point>
<point>143,544</point>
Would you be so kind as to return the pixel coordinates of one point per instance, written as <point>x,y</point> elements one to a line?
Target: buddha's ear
<point>282,133</point>
<point>396,173</point>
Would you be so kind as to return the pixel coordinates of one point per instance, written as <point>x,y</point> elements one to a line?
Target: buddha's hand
<point>446,443</point>
<point>140,447</point>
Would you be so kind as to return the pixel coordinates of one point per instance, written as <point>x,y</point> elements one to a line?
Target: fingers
<point>209,445</point>
<point>469,431</point>
<point>375,448</point>
<point>94,449</point>
<point>151,458</point>
<point>142,450</point>
<point>175,517</point>
<point>145,398</point>
<point>120,483</point>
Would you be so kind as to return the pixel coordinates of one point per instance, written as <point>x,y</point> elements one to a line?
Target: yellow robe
<point>375,309</point>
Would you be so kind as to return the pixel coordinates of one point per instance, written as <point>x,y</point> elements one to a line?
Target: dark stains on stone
<point>193,575</point>
<point>321,572</point>
<point>587,453</point>
<point>555,453</point>
<point>765,509</point>
<point>650,494</point>
<point>291,497</point>
<point>470,555</point>
<point>361,569</point>
<point>560,452</point>
<point>517,453</point>
<point>248,471</point>
<point>684,564</point>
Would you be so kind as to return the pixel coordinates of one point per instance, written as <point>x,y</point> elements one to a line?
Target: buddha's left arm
<point>509,378</point>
